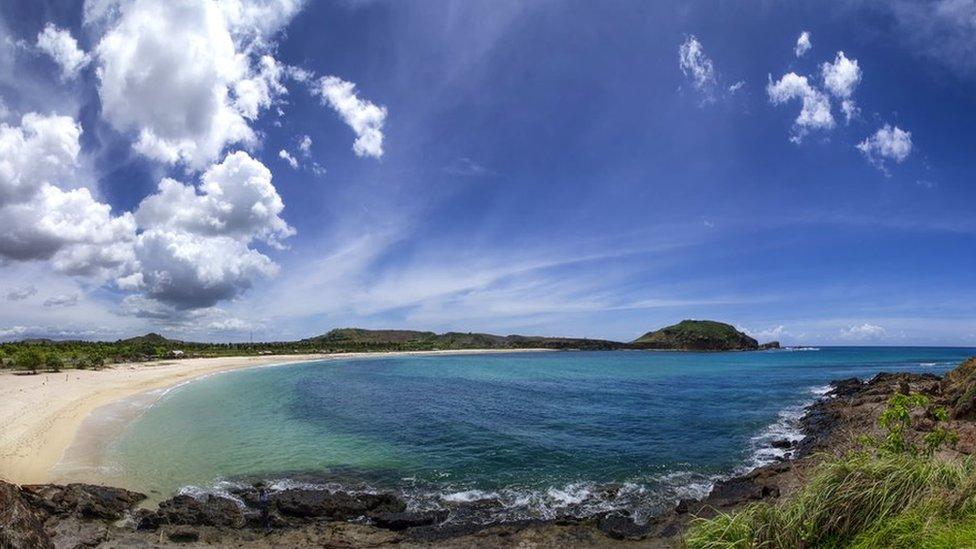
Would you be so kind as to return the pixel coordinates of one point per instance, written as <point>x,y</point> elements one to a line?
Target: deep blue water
<point>541,431</point>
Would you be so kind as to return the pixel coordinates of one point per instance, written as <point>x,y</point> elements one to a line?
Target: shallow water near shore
<point>540,434</point>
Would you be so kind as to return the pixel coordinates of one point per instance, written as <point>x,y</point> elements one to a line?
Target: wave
<point>786,427</point>
<point>641,497</point>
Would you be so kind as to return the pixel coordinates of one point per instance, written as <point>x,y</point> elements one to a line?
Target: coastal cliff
<point>86,515</point>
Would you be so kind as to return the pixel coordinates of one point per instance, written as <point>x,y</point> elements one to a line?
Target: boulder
<point>408,519</point>
<point>186,510</point>
<point>86,501</point>
<point>304,503</point>
<point>21,525</point>
<point>619,526</point>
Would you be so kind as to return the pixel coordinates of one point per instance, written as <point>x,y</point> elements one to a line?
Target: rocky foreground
<point>80,515</point>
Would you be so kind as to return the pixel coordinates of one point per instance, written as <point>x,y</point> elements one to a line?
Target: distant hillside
<point>358,339</point>
<point>697,335</point>
<point>151,338</point>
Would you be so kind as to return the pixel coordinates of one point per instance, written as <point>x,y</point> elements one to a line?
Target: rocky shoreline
<point>81,515</point>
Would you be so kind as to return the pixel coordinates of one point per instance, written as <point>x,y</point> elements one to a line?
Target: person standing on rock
<point>263,502</point>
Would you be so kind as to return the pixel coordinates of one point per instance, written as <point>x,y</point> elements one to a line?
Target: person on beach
<point>263,503</point>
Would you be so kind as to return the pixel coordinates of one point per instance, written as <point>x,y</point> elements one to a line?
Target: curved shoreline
<point>42,414</point>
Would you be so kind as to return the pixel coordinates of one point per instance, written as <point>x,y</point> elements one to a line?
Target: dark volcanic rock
<point>846,388</point>
<point>618,526</point>
<point>782,444</point>
<point>186,510</point>
<point>21,526</point>
<point>408,519</point>
<point>83,500</point>
<point>759,484</point>
<point>770,345</point>
<point>183,534</point>
<point>74,532</point>
<point>335,505</point>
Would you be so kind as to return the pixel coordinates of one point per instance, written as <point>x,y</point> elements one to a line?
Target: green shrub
<point>53,362</point>
<point>28,359</point>
<point>893,493</point>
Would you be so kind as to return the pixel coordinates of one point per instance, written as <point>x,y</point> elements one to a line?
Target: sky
<point>228,170</point>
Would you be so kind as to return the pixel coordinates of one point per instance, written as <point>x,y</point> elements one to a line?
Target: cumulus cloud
<point>815,113</point>
<point>41,217</point>
<point>287,157</point>
<point>43,149</point>
<point>365,118</point>
<point>185,76</point>
<point>21,293</point>
<point>237,199</point>
<point>63,49</point>
<point>697,66</point>
<point>74,229</point>
<point>194,249</point>
<point>888,143</point>
<point>840,78</point>
<point>863,332</point>
<point>803,44</point>
<point>188,270</point>
<point>62,300</point>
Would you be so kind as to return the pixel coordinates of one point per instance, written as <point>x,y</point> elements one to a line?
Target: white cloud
<point>291,160</point>
<point>863,332</point>
<point>39,219</point>
<point>62,300</point>
<point>305,145</point>
<point>803,44</point>
<point>185,76</point>
<point>194,250</point>
<point>43,149</point>
<point>770,334</point>
<point>365,118</point>
<point>238,200</point>
<point>815,113</point>
<point>734,88</point>
<point>21,293</point>
<point>188,270</point>
<point>888,143</point>
<point>63,48</point>
<point>79,233</point>
<point>696,65</point>
<point>840,78</point>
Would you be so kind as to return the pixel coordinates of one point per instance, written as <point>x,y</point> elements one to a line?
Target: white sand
<point>40,414</point>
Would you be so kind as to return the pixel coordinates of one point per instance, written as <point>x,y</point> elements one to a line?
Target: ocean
<point>538,434</point>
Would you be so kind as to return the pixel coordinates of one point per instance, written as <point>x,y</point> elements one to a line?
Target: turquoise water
<point>541,432</point>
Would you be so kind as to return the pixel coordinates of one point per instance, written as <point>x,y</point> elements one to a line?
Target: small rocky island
<point>699,335</point>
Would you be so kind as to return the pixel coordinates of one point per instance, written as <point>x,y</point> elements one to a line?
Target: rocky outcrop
<point>85,501</point>
<point>697,335</point>
<point>770,345</point>
<point>959,391</point>
<point>21,523</point>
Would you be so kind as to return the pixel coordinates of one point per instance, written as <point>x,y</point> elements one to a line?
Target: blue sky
<point>562,168</point>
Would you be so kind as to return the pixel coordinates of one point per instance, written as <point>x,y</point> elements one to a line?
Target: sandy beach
<point>41,414</point>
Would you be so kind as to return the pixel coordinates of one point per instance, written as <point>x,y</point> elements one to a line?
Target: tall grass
<point>864,500</point>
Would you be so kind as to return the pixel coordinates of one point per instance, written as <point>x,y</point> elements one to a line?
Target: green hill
<point>359,339</point>
<point>697,335</point>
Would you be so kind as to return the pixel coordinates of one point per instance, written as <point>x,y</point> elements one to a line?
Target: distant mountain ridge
<point>688,335</point>
<point>363,339</point>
